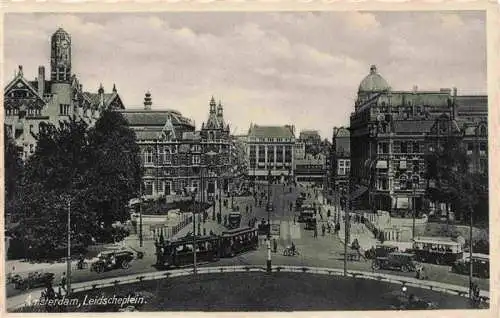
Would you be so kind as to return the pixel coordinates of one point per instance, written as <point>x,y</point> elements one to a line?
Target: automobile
<point>34,279</point>
<point>112,260</point>
<point>480,265</point>
<point>380,250</point>
<point>305,216</point>
<point>404,262</point>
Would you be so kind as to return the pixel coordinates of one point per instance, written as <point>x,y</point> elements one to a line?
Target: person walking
<point>323,229</point>
<point>315,231</point>
<point>63,281</point>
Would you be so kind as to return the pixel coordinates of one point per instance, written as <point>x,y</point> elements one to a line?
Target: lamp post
<point>68,262</point>
<point>140,215</point>
<point>346,224</point>
<point>269,202</point>
<point>414,183</point>
<point>471,292</point>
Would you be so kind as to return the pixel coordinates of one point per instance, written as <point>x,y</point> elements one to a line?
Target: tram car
<point>179,253</point>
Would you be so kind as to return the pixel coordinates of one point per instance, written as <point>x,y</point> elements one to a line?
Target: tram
<point>179,253</point>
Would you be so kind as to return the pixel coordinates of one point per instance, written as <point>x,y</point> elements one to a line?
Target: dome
<point>373,82</point>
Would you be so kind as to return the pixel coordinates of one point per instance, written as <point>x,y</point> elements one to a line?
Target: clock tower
<point>60,57</point>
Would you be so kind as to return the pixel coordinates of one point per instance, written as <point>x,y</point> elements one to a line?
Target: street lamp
<point>140,215</point>
<point>414,182</point>
<point>269,202</point>
<point>192,192</point>
<point>68,262</point>
<point>212,155</point>
<point>346,224</point>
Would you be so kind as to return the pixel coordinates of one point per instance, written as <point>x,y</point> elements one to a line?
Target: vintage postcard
<point>225,158</point>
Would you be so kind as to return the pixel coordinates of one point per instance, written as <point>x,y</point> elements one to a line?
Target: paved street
<point>323,251</point>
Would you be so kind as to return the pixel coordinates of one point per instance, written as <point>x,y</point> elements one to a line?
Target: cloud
<point>270,68</point>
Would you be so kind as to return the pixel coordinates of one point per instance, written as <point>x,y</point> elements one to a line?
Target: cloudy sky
<point>267,68</point>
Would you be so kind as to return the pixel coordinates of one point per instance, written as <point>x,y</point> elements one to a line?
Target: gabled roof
<point>141,117</point>
<point>20,82</point>
<point>270,131</point>
<point>94,98</point>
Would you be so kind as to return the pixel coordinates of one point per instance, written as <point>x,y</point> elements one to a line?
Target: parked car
<point>397,261</point>
<point>380,251</point>
<point>480,265</point>
<point>34,279</point>
<point>112,260</point>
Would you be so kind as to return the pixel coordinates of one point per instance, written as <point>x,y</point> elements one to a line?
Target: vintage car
<point>112,260</point>
<point>380,251</point>
<point>34,279</point>
<point>397,261</point>
<point>480,265</point>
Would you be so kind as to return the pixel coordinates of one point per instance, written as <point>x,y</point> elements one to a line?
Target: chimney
<point>41,80</point>
<point>101,95</point>
<point>147,101</point>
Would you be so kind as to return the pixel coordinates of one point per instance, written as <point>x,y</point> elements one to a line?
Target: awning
<point>402,164</point>
<point>381,164</point>
<point>402,203</point>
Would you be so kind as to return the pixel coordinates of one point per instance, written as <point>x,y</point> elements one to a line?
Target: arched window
<point>148,156</point>
<point>211,135</point>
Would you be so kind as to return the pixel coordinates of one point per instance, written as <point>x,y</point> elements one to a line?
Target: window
<point>31,128</point>
<point>416,166</point>
<point>148,188</point>
<point>196,160</point>
<point>288,153</point>
<point>483,148</point>
<point>32,148</point>
<point>403,182</point>
<point>416,147</point>
<point>148,156</point>
<point>383,147</point>
<point>262,153</point>
<point>270,155</point>
<point>470,148</point>
<point>279,154</point>
<point>63,109</point>
<point>404,147</point>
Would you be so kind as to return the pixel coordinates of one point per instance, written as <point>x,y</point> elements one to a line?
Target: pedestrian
<point>315,232</point>
<point>204,232</point>
<point>275,245</point>
<point>323,229</point>
<point>63,281</point>
<point>294,219</point>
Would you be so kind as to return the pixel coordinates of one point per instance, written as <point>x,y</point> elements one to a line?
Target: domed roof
<point>373,82</point>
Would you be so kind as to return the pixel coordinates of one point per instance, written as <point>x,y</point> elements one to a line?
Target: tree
<point>13,167</point>
<point>451,181</point>
<point>92,172</point>
<point>117,172</point>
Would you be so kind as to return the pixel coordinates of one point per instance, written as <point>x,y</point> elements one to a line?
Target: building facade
<point>175,156</point>
<point>340,158</point>
<point>311,140</point>
<point>30,105</point>
<point>270,148</point>
<point>390,138</point>
<point>310,169</point>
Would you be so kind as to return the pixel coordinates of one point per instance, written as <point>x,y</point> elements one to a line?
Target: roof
<point>412,126</point>
<point>373,82</point>
<point>270,131</point>
<point>342,132</point>
<point>154,117</point>
<point>472,103</point>
<point>47,86</point>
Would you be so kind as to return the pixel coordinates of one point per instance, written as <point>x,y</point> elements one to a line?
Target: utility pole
<point>68,263</point>
<point>414,184</point>
<point>470,253</point>
<point>346,224</point>
<point>140,214</point>
<point>194,233</point>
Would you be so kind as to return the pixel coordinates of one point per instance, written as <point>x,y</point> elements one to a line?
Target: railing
<point>404,281</point>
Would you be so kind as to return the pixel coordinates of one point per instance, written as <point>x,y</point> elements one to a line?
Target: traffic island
<point>253,291</point>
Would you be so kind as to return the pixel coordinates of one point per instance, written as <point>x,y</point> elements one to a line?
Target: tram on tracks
<point>179,253</point>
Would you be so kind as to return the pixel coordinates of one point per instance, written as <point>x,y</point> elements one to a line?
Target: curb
<point>404,281</point>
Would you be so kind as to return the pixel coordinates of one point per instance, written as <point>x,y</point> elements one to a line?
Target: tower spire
<point>212,105</point>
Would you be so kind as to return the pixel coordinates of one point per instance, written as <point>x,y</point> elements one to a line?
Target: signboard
<point>275,229</point>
